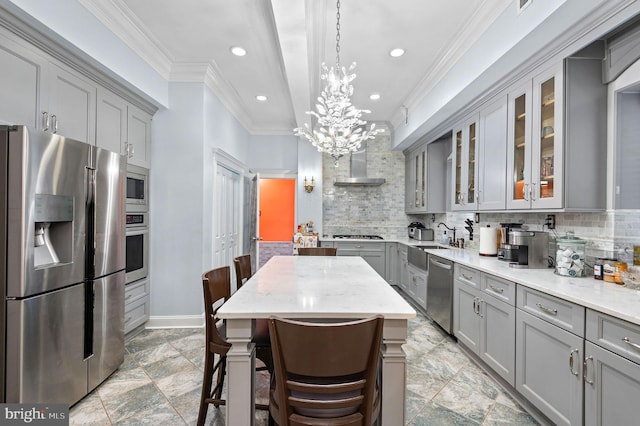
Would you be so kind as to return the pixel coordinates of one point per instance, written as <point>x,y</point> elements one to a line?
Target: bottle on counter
<point>617,274</point>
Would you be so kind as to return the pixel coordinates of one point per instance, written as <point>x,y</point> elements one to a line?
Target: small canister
<point>570,255</point>
<point>609,270</point>
<point>597,268</point>
<point>619,268</point>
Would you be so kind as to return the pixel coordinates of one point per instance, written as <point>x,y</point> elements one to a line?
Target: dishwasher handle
<point>441,264</point>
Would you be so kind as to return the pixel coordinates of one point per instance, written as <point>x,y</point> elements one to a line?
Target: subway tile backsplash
<point>380,210</point>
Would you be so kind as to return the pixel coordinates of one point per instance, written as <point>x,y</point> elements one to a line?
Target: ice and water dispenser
<point>53,232</point>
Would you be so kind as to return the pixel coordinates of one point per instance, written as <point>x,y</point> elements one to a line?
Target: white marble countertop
<point>316,287</point>
<point>609,298</point>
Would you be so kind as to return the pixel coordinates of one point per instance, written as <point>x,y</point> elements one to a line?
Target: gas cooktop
<point>357,237</point>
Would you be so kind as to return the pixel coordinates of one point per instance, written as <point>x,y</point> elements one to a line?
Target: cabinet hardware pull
<point>480,310</point>
<point>131,150</point>
<point>575,373</point>
<point>45,121</point>
<point>358,246</point>
<point>475,300</point>
<point>584,371</point>
<point>466,277</point>
<point>127,319</point>
<point>547,310</point>
<point>629,342</point>
<point>532,192</point>
<point>525,189</point>
<point>54,119</point>
<point>497,289</point>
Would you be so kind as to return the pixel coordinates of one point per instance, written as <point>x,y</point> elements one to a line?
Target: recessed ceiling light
<point>374,96</point>
<point>397,52</point>
<point>238,51</point>
<point>261,98</point>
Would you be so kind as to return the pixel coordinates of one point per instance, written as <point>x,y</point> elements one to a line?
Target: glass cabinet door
<point>457,200</point>
<point>547,139</point>
<point>471,165</point>
<point>519,145</point>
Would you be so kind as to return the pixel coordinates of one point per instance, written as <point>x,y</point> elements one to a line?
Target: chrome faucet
<point>450,229</point>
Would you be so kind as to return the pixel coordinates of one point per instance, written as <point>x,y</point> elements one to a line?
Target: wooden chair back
<point>325,372</point>
<point>216,287</point>
<point>243,269</point>
<point>317,251</point>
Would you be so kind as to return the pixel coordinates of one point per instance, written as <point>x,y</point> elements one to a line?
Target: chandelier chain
<point>338,34</point>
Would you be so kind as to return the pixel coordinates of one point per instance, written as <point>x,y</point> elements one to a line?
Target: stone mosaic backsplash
<point>379,210</point>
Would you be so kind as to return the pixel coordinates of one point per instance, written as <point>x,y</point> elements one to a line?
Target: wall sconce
<point>309,184</point>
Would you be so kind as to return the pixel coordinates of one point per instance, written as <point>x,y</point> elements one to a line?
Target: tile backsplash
<point>380,210</point>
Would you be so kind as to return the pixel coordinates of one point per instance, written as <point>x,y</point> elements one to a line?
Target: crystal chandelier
<point>339,129</point>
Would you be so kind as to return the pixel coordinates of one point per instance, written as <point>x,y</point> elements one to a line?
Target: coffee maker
<point>506,251</point>
<point>530,249</point>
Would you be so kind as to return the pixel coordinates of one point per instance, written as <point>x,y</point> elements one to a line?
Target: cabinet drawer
<point>359,245</point>
<point>619,336</point>
<point>500,289</point>
<point>467,275</point>
<point>566,315</point>
<point>136,313</point>
<point>135,291</point>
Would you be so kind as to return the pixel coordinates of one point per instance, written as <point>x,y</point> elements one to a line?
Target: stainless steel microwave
<point>137,189</point>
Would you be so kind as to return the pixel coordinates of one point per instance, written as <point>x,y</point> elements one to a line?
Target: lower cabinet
<point>611,371</point>
<point>417,285</point>
<point>484,323</point>
<point>373,253</point>
<point>136,304</point>
<point>549,368</point>
<point>403,263</point>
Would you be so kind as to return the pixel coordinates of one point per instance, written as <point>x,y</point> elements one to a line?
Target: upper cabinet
<point>492,154</point>
<point>39,90</point>
<point>425,177</point>
<point>123,128</point>
<point>464,173</point>
<point>556,138</point>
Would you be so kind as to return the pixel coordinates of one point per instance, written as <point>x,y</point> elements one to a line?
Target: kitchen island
<point>323,288</point>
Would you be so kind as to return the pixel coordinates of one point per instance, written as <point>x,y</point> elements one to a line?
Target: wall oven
<point>137,189</point>
<point>137,246</point>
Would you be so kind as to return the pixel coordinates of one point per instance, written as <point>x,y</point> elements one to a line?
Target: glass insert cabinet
<point>534,137</point>
<point>465,173</point>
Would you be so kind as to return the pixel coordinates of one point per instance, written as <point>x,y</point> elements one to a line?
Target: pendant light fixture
<point>339,129</point>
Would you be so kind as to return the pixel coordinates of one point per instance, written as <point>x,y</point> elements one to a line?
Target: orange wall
<point>277,203</point>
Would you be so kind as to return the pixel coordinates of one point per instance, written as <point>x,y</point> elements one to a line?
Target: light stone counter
<point>609,298</point>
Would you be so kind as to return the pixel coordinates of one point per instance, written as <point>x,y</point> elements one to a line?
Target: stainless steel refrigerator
<point>62,266</point>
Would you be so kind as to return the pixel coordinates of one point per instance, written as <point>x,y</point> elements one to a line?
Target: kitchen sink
<point>433,247</point>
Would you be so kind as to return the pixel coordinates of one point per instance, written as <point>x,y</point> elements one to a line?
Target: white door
<point>228,216</point>
<point>255,222</point>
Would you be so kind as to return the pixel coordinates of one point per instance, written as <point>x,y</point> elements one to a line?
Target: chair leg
<point>206,387</point>
<point>222,370</point>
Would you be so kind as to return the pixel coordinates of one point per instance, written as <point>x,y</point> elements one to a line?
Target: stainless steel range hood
<point>359,171</point>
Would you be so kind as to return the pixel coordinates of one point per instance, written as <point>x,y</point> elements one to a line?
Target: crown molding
<point>120,20</point>
<point>471,32</point>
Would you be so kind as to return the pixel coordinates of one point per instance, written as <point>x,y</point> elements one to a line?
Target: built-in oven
<point>137,189</point>
<point>137,246</point>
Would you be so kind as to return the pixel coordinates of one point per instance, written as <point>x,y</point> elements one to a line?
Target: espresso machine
<point>529,249</point>
<point>506,251</point>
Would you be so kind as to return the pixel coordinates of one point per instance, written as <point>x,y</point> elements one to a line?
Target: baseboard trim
<point>175,321</point>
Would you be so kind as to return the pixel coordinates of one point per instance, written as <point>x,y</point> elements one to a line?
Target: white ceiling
<point>286,41</point>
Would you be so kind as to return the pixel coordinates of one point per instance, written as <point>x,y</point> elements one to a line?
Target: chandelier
<point>339,129</point>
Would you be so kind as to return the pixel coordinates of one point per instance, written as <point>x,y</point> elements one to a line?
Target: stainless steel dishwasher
<point>440,292</point>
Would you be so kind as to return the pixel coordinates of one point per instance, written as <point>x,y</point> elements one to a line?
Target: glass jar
<point>570,255</point>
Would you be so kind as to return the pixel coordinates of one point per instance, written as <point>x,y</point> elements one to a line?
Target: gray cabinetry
<point>20,74</point>
<point>124,128</point>
<point>549,355</point>
<point>492,155</point>
<point>611,371</point>
<point>417,285</point>
<point>372,252</point>
<point>136,304</point>
<point>425,174</point>
<point>403,263</point>
<point>557,125</point>
<point>484,318</point>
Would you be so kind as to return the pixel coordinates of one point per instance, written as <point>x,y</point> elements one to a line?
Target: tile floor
<point>159,383</point>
